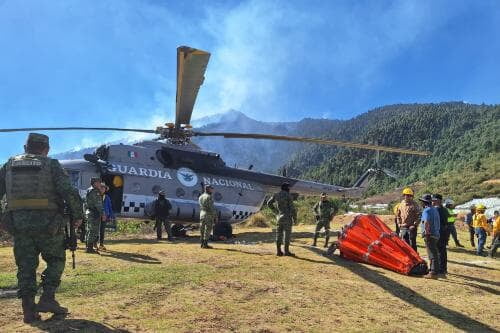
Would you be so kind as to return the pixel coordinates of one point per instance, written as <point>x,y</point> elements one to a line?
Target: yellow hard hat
<point>408,191</point>
<point>117,181</point>
<point>480,207</point>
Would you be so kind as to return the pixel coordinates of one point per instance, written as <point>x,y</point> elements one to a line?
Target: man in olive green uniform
<point>94,214</point>
<point>324,211</point>
<point>35,188</point>
<point>208,216</point>
<point>282,205</point>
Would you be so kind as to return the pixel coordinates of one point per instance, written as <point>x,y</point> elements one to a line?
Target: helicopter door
<point>115,184</point>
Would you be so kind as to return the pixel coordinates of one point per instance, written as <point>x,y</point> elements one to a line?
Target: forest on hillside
<point>463,139</point>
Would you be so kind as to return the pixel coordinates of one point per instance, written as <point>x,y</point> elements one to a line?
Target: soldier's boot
<point>48,302</point>
<point>29,310</point>
<point>287,251</point>
<point>207,246</point>
<point>279,253</point>
<point>315,239</point>
<point>327,238</point>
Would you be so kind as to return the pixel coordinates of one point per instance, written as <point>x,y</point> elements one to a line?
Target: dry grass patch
<point>145,285</point>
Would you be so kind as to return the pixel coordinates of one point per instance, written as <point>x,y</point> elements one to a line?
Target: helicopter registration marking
<point>130,170</point>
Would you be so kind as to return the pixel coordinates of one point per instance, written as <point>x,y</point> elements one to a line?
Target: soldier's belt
<point>31,204</point>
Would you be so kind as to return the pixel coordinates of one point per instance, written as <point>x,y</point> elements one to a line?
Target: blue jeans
<point>481,239</point>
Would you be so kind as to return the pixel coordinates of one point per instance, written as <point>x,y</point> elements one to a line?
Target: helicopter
<point>171,163</point>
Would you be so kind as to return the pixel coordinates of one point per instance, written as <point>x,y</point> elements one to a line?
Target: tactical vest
<point>29,183</point>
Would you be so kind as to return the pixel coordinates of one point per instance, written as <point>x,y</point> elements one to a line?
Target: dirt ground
<point>142,285</point>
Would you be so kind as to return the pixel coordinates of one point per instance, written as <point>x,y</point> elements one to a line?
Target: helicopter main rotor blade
<point>27,129</point>
<point>191,66</point>
<point>315,140</point>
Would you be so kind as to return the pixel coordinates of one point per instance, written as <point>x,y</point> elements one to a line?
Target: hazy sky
<point>112,62</point>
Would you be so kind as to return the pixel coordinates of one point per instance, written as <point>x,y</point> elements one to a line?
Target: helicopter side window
<point>74,178</point>
<point>136,187</point>
<point>185,161</point>
<point>156,189</point>
<point>180,193</point>
<point>165,158</point>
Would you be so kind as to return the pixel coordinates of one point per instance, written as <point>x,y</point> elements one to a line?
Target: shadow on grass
<point>9,292</point>
<point>58,323</point>
<point>190,239</point>
<point>133,257</point>
<point>469,264</point>
<point>245,252</point>
<point>269,236</point>
<point>476,279</point>
<point>260,254</point>
<point>250,236</point>
<point>475,285</point>
<point>454,318</point>
<point>461,250</point>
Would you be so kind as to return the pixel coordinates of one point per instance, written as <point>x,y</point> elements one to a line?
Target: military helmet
<point>408,191</point>
<point>94,180</point>
<point>208,187</point>
<point>37,137</point>
<point>162,192</point>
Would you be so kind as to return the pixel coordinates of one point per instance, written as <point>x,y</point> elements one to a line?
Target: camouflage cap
<point>37,137</point>
<point>162,192</point>
<point>94,180</point>
<point>208,186</point>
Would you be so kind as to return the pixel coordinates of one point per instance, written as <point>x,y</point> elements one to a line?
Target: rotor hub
<point>175,135</point>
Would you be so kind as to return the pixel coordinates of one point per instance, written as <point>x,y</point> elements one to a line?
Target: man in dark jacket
<point>162,209</point>
<point>444,234</point>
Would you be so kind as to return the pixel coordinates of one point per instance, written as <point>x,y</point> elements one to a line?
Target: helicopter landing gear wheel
<point>178,230</point>
<point>223,231</point>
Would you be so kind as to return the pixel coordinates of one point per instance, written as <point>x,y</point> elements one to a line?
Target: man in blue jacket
<point>109,215</point>
<point>430,232</point>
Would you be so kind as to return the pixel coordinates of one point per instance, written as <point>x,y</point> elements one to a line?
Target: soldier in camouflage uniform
<point>94,214</point>
<point>34,188</point>
<point>208,216</point>
<point>282,205</point>
<point>324,211</point>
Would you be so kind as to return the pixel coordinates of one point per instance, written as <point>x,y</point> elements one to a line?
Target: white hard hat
<point>449,202</point>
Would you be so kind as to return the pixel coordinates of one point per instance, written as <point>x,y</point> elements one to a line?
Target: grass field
<point>141,285</point>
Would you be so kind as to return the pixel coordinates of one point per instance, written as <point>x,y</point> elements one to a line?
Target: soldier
<point>35,187</point>
<point>94,214</point>
<point>162,209</point>
<point>286,215</point>
<point>208,216</point>
<point>324,211</point>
